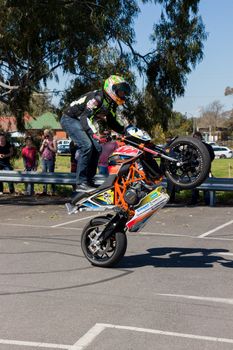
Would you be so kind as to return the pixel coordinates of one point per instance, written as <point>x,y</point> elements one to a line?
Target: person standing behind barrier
<point>108,147</point>
<point>30,161</point>
<point>195,192</point>
<point>6,152</point>
<point>73,159</point>
<point>48,151</point>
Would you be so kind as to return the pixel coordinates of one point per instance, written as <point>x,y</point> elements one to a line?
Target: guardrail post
<point>212,198</point>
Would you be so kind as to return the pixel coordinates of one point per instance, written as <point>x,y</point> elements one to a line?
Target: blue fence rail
<point>211,184</point>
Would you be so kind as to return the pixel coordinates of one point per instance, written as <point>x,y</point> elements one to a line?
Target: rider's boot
<point>71,209</point>
<point>84,187</point>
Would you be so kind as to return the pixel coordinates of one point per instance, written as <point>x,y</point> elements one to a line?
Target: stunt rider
<point>78,119</point>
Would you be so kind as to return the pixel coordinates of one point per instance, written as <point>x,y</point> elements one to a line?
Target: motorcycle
<point>135,190</point>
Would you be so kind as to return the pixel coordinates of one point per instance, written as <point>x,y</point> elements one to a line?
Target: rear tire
<point>110,251</point>
<point>196,163</point>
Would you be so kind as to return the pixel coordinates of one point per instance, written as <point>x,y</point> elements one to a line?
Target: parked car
<point>213,144</point>
<point>64,142</point>
<point>63,149</point>
<point>222,152</point>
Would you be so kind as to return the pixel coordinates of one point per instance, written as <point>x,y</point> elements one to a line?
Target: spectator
<point>48,151</point>
<point>171,187</point>
<point>30,161</point>
<point>195,192</point>
<point>6,152</point>
<point>73,159</point>
<point>108,146</point>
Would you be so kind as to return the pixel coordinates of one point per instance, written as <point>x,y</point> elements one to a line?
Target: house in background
<point>47,120</point>
<point>34,126</point>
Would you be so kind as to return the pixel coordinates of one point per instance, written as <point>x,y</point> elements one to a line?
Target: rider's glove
<point>96,137</point>
<point>127,128</point>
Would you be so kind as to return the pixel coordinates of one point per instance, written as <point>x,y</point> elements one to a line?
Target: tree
<point>179,37</point>
<point>39,36</point>
<point>102,63</point>
<point>211,116</point>
<point>228,91</point>
<point>179,125</point>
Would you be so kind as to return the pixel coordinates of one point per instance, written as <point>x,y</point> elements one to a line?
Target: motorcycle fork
<point>117,223</point>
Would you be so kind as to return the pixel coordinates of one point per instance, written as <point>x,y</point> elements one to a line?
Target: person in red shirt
<point>30,161</point>
<point>108,147</point>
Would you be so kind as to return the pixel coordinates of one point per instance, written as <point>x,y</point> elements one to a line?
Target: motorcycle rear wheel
<point>108,252</point>
<point>196,163</point>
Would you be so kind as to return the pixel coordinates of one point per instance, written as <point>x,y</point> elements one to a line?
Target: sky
<point>208,80</point>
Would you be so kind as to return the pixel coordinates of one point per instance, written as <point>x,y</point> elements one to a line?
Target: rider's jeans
<point>88,148</point>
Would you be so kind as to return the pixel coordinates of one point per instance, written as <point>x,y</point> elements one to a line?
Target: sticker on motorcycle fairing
<point>106,197</point>
<point>92,104</point>
<point>141,216</point>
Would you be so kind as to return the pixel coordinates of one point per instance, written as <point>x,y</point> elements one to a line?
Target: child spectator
<point>108,146</point>
<point>6,152</point>
<point>48,151</point>
<point>30,161</point>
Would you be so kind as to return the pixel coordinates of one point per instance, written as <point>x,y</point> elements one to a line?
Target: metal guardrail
<point>211,184</point>
<point>35,177</point>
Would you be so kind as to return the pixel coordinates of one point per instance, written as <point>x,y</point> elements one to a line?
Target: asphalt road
<point>172,290</point>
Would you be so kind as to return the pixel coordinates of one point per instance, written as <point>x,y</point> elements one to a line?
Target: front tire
<point>105,253</point>
<point>195,159</point>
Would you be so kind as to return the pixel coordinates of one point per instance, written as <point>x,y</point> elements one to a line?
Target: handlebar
<point>142,146</point>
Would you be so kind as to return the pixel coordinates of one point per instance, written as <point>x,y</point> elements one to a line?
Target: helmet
<point>117,88</point>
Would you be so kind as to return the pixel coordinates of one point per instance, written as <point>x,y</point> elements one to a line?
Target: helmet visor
<point>122,90</point>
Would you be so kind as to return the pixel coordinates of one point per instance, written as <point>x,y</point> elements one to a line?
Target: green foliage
<point>179,38</point>
<point>158,135</point>
<point>179,125</point>
<point>93,40</point>
<point>37,37</point>
<point>103,62</point>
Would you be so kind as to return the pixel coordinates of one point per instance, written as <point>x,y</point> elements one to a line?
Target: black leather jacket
<point>93,106</point>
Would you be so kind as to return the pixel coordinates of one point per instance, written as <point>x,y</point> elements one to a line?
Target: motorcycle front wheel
<point>102,253</point>
<point>192,165</point>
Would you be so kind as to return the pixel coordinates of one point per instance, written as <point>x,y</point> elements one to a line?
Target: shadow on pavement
<point>176,257</point>
<point>32,200</point>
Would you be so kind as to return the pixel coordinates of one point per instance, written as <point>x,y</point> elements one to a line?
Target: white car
<point>213,144</point>
<point>64,142</point>
<point>222,152</point>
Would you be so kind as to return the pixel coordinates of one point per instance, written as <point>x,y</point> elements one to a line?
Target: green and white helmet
<point>117,88</point>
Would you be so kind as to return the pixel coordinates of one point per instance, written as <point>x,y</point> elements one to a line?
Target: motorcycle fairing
<point>155,200</point>
<point>105,198</point>
<point>98,201</point>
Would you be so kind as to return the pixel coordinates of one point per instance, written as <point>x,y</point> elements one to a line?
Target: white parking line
<point>216,229</point>
<point>70,222</point>
<point>34,344</point>
<point>39,226</point>
<point>83,342</point>
<point>228,254</point>
<point>194,297</point>
<point>88,337</point>
<point>98,328</point>
<point>144,233</point>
